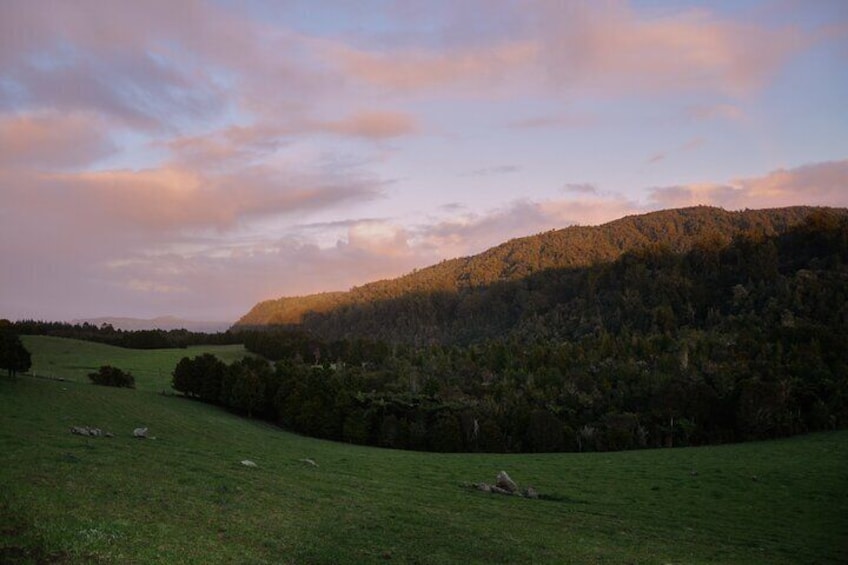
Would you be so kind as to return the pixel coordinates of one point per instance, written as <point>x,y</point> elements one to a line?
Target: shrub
<point>112,376</point>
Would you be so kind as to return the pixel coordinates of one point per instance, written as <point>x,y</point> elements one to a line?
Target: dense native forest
<point>704,327</point>
<point>455,290</point>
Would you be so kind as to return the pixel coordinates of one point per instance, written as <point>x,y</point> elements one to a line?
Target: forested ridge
<point>480,297</point>
<point>711,336</point>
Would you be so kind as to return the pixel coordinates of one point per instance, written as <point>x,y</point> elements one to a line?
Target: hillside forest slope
<point>487,295</point>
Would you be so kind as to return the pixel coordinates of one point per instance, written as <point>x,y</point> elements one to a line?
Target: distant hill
<point>458,300</point>
<point>165,323</point>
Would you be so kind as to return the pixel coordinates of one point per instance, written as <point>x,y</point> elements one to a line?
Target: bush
<point>112,376</point>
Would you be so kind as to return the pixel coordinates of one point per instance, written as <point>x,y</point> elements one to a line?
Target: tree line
<point>131,339</point>
<point>603,393</point>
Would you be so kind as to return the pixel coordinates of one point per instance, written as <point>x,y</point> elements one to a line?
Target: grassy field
<point>73,359</point>
<point>186,498</point>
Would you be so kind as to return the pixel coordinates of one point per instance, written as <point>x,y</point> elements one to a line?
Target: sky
<point>193,158</point>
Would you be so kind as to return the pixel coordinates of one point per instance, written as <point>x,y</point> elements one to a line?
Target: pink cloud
<point>539,122</point>
<point>177,199</point>
<point>173,199</point>
<point>605,44</point>
<point>379,237</point>
<point>369,250</point>
<point>236,145</point>
<point>373,125</point>
<point>52,140</point>
<point>494,170</point>
<point>233,277</point>
<point>728,112</point>
<point>424,69</point>
<point>210,150</point>
<point>148,242</point>
<point>820,184</point>
<point>472,233</point>
<point>608,44</point>
<point>587,211</point>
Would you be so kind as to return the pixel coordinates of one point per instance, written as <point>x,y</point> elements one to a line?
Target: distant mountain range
<point>485,295</point>
<point>160,323</point>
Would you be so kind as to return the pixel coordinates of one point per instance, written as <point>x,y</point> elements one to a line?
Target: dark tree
<point>112,376</point>
<point>248,390</point>
<point>14,357</point>
<point>183,377</point>
<point>200,377</point>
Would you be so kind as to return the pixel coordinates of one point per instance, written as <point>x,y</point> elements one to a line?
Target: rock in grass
<point>503,481</point>
<point>248,463</point>
<point>140,432</point>
<point>86,431</point>
<point>530,492</point>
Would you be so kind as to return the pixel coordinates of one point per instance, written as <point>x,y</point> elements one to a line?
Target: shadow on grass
<point>548,497</point>
<point>562,498</point>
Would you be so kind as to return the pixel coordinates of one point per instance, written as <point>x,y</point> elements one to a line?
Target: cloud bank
<point>192,158</point>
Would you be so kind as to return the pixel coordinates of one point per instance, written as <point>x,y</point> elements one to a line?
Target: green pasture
<point>73,359</point>
<point>185,497</point>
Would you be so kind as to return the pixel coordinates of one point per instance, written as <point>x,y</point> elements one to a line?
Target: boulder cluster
<point>505,485</point>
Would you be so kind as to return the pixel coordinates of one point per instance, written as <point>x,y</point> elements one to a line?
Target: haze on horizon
<point>192,158</point>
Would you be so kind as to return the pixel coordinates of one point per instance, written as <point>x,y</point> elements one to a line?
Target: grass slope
<point>73,359</point>
<point>185,497</point>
